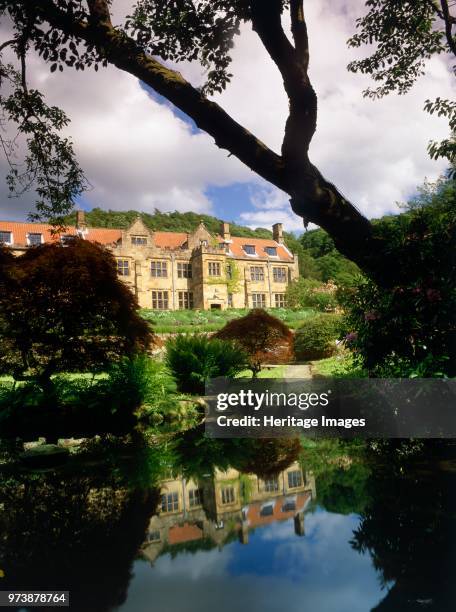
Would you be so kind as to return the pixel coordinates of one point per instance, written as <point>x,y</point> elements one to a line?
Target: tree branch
<point>99,12</point>
<point>312,197</point>
<point>23,72</point>
<point>448,25</point>
<point>7,43</point>
<point>302,120</point>
<point>266,22</point>
<point>299,31</point>
<point>123,52</point>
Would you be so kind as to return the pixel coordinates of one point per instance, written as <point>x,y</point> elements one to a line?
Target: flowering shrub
<point>409,329</point>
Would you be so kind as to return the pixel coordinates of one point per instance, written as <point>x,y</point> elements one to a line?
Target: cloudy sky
<point>276,570</point>
<point>139,153</point>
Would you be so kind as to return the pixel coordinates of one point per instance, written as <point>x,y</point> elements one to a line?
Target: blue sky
<point>228,201</point>
<point>276,570</point>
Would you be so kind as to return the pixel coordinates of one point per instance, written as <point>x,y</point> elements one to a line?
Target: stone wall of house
<point>252,283</point>
<point>154,265</point>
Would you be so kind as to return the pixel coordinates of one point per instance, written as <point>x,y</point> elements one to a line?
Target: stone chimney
<point>80,220</point>
<point>277,232</point>
<point>225,231</point>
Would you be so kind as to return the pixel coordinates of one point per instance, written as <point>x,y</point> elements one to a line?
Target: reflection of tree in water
<point>80,529</point>
<point>198,455</point>
<point>266,457</point>
<point>72,533</point>
<point>341,473</point>
<point>409,529</point>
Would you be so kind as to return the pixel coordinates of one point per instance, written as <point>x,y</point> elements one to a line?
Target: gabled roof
<point>187,532</point>
<point>164,240</point>
<point>170,240</point>
<point>21,229</point>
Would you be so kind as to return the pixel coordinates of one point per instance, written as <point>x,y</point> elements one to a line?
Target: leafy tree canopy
<point>406,34</point>
<point>410,330</point>
<point>260,335</point>
<point>63,309</point>
<point>167,222</point>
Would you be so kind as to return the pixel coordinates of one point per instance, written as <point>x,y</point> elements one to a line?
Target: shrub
<point>409,329</point>
<point>80,405</point>
<point>194,359</point>
<point>310,293</point>
<point>316,338</point>
<point>131,383</point>
<point>265,338</point>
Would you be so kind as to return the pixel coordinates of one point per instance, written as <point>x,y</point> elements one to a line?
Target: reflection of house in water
<point>217,509</point>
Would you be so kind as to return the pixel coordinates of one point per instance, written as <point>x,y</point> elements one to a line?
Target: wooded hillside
<point>318,257</point>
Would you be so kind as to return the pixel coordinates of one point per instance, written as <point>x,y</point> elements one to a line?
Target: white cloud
<point>275,570</point>
<point>138,154</point>
<point>135,152</point>
<point>270,205</point>
<point>374,151</point>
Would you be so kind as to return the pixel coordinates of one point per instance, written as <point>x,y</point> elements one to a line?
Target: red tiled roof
<point>20,231</point>
<point>184,533</point>
<point>169,240</point>
<point>103,235</point>
<point>260,244</point>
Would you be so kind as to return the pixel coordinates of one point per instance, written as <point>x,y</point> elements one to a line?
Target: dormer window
<point>34,239</point>
<point>249,249</point>
<point>139,240</point>
<point>271,251</point>
<point>203,243</point>
<point>6,238</point>
<point>67,239</point>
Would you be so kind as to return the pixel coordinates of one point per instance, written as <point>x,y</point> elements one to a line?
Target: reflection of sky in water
<point>276,570</point>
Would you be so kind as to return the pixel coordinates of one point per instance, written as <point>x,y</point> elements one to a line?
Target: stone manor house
<point>176,270</point>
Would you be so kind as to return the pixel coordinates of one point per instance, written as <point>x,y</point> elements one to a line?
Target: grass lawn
<point>339,366</point>
<point>9,380</point>
<point>169,321</point>
<point>266,372</point>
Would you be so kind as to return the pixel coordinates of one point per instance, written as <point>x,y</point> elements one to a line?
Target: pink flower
<point>351,337</point>
<point>371,316</point>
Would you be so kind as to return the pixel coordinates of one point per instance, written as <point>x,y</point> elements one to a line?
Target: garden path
<point>298,371</point>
